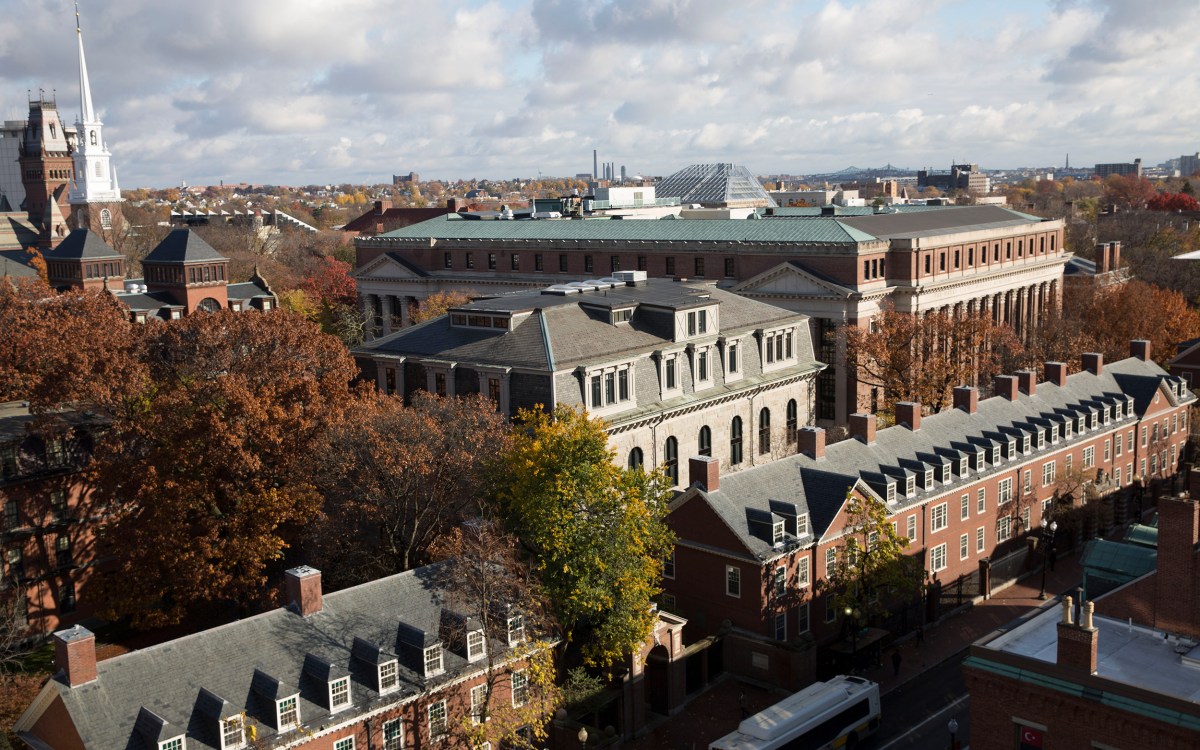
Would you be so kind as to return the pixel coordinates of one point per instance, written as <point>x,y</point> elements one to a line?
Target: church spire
<point>86,113</point>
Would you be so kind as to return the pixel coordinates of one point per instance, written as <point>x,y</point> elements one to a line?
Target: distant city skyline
<point>310,92</point>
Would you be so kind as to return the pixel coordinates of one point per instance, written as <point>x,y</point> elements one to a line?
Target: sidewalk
<point>711,714</point>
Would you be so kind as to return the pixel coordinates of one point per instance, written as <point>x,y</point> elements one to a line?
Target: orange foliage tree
<point>1113,316</point>
<point>436,305</point>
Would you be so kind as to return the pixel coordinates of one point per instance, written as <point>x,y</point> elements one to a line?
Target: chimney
<point>1027,381</point>
<point>812,442</point>
<point>1056,372</point>
<point>1102,257</point>
<point>1140,348</point>
<point>1114,256</point>
<point>966,398</point>
<point>75,655</point>
<point>863,426</point>
<point>383,205</point>
<point>909,413</point>
<point>1077,642</point>
<point>304,590</point>
<point>1006,386</point>
<point>1177,589</point>
<point>706,472</point>
<point>1093,362</point>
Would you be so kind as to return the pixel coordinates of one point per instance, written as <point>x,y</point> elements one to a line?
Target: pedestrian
<point>742,703</point>
<point>896,659</point>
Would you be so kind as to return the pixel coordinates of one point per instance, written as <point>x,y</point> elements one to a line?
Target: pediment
<point>793,280</point>
<point>386,267</point>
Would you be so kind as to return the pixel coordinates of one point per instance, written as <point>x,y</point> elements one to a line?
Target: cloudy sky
<point>318,91</point>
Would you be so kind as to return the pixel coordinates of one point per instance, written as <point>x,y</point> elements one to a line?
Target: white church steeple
<point>95,178</point>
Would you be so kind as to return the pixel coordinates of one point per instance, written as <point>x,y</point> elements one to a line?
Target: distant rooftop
<point>729,185</point>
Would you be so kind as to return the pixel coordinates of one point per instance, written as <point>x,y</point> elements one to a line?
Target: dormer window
<point>801,524</point>
<point>476,645</point>
<point>233,733</point>
<point>1120,410</point>
<point>945,473</point>
<point>389,676</point>
<point>1012,448</point>
<point>1041,439</point>
<point>433,660</point>
<point>1068,429</point>
<point>962,467</point>
<point>910,485</point>
<point>1025,444</point>
<point>1081,424</point>
<point>928,478</point>
<point>339,693</point>
<point>1054,433</point>
<point>516,629</point>
<point>697,323</point>
<point>175,743</point>
<point>622,316</point>
<point>1106,414</point>
<point>995,455</point>
<point>891,492</point>
<point>287,713</point>
<point>777,532</point>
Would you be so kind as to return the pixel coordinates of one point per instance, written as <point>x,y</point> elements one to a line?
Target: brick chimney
<point>383,205</point>
<point>966,398</point>
<point>909,413</point>
<point>863,426</point>
<point>706,472</point>
<point>1093,362</point>
<point>1077,642</point>
<point>1177,600</point>
<point>1140,348</point>
<point>1056,372</point>
<point>75,655</point>
<point>1006,386</point>
<point>1114,262</point>
<point>1102,257</point>
<point>304,590</point>
<point>1027,381</point>
<point>812,442</point>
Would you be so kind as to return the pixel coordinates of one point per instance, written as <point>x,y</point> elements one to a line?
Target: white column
<point>387,314</point>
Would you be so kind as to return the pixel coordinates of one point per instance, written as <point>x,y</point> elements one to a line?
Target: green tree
<point>597,531</point>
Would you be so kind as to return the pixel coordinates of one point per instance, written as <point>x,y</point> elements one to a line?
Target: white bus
<point>834,714</point>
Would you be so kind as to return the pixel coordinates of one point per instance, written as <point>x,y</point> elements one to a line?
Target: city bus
<point>834,714</point>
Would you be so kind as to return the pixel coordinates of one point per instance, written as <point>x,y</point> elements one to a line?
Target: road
<point>915,715</point>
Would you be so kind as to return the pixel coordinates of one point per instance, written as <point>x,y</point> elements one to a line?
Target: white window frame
<point>280,710</point>
<point>1089,457</point>
<point>1003,529</point>
<point>830,562</point>
<point>441,723</point>
<point>801,525</point>
<point>233,724</point>
<point>388,672</point>
<point>802,573</point>
<point>1117,443</point>
<point>345,743</point>
<point>520,688</point>
<point>516,629</point>
<point>335,687</point>
<point>393,741</point>
<point>779,580</point>
<point>939,517</point>
<point>476,643</point>
<point>980,539</point>
<point>964,546</point>
<point>912,527</point>
<point>478,702</point>
<point>1049,469</point>
<point>781,626</point>
<point>174,743</point>
<point>910,485</point>
<point>981,500</point>
<point>964,506</point>
<point>432,661</point>
<point>938,552</point>
<point>803,624</point>
<point>733,580</point>
<point>668,571</point>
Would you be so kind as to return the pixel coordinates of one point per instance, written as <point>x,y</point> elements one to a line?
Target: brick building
<point>380,665</point>
<point>839,267</point>
<point>676,369</point>
<point>964,485</point>
<point>1111,674</point>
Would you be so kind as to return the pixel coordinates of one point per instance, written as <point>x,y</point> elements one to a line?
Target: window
<point>478,703</point>
<point>614,263</point>
<point>830,562</point>
<point>672,462</point>
<point>733,580</point>
<point>670,270</point>
<point>12,515</point>
<point>912,527</point>
<point>516,629</point>
<point>964,509</point>
<point>801,525</point>
<point>588,266</point>
<point>515,263</point>
<point>15,562</point>
<point>830,608</point>
<point>393,735</point>
<point>981,499</point>
<point>562,263</point>
<point>792,421</point>
<point>802,576</point>
<point>339,693</point>
<point>780,581</point>
<point>439,383</point>
<point>233,733</point>
<point>669,565</point>
<point>175,743</point>
<point>735,441</point>
<point>702,366</point>
<point>764,430</point>
<point>964,544</point>
<point>1089,457</point>
<point>700,266</point>
<point>802,619</point>
<point>388,676</point>
<point>938,517</point>
<point>1117,438</point>
<point>1027,481</point>
<point>105,219</point>
<point>781,626</point>
<point>437,720</point>
<point>623,384</point>
<point>62,551</point>
<point>1003,529</point>
<point>538,265</point>
<point>346,743</point>
<point>980,544</point>
<point>1048,473</point>
<point>733,357</point>
<point>729,267</point>
<point>287,712</point>
<point>635,458</point>
<point>520,688</point>
<point>433,660</point>
<point>1068,462</point>
<point>476,647</point>
<point>66,597</point>
<point>641,263</point>
<point>937,558</point>
<point>491,261</point>
<point>669,372</point>
<point>448,260</point>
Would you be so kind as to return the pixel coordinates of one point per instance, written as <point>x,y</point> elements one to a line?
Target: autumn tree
<point>1128,191</point>
<point>597,531</point>
<point>1173,202</point>
<point>483,577</point>
<point>923,357</point>
<point>1114,316</point>
<point>437,304</point>
<point>202,467</point>
<point>396,477</point>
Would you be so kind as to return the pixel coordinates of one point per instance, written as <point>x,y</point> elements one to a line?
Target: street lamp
<point>583,735</point>
<point>1048,530</point>
<point>852,615</point>
<point>953,727</point>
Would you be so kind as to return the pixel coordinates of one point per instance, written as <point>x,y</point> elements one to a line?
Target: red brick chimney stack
<point>1177,599</point>
<point>812,442</point>
<point>1056,372</point>
<point>1077,642</point>
<point>1114,261</point>
<point>1006,386</point>
<point>75,655</point>
<point>863,426</point>
<point>706,472</point>
<point>1103,258</point>
<point>1027,381</point>
<point>966,398</point>
<point>304,590</point>
<point>909,413</point>
<point>1140,348</point>
<point>1093,362</point>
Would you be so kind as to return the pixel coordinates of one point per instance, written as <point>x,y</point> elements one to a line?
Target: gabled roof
<point>82,244</point>
<point>182,246</point>
<point>392,218</point>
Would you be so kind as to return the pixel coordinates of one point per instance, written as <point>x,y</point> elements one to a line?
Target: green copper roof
<point>764,231</point>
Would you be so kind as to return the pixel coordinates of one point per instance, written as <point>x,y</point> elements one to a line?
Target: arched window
<point>792,424</point>
<point>635,458</point>
<point>672,462</point>
<point>735,441</point>
<point>764,430</point>
<point>105,218</point>
<point>705,441</point>
<point>93,137</point>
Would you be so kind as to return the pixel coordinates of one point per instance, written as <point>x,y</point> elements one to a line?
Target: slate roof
<point>82,244</point>
<point>182,246</point>
<point>819,486</point>
<point>392,218</point>
<point>236,667</point>
<point>17,264</point>
<point>575,335</point>
<point>256,287</point>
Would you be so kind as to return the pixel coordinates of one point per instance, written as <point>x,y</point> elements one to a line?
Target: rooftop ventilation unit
<point>630,278</point>
<point>561,290</point>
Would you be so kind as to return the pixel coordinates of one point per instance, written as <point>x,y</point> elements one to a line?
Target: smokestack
<point>595,165</point>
